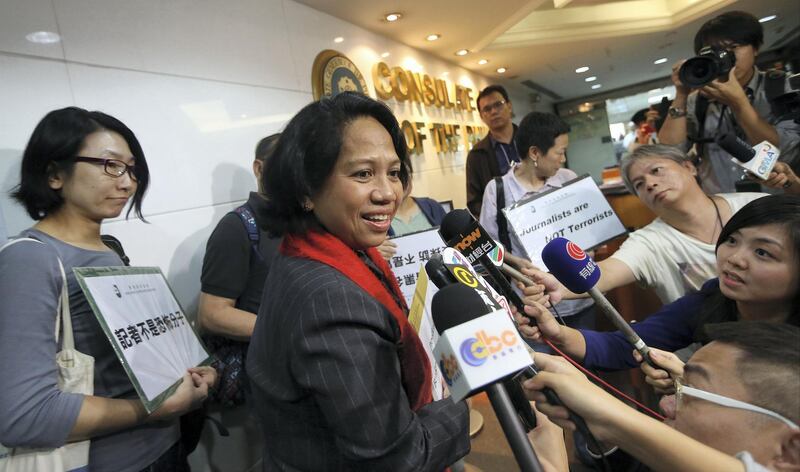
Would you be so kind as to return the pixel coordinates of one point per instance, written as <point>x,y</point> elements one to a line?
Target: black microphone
<point>759,160</point>
<point>441,276</point>
<point>455,309</point>
<point>460,231</point>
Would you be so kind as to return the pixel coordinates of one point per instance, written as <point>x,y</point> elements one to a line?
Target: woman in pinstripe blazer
<point>338,377</point>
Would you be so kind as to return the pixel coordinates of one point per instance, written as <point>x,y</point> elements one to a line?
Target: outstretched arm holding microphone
<point>652,442</point>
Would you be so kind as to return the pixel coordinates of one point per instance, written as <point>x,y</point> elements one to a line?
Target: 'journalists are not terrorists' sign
<point>577,211</point>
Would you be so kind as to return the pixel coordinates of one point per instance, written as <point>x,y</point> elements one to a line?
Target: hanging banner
<point>413,251</point>
<point>146,326</point>
<point>577,211</point>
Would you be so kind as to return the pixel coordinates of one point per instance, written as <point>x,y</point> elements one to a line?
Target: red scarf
<point>415,368</point>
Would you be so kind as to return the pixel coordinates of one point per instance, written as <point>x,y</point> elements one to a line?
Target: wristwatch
<point>675,112</point>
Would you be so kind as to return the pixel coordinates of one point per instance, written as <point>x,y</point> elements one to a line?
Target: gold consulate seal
<point>334,73</point>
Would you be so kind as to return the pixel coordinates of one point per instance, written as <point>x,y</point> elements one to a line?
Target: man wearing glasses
<point>738,395</point>
<point>494,154</point>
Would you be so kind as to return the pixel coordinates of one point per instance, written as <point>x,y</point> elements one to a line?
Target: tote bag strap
<point>63,313</point>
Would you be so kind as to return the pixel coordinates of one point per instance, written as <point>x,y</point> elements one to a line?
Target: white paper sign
<point>577,211</point>
<point>413,251</point>
<point>146,326</point>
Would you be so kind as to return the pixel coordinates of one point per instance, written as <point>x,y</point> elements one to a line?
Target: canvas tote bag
<point>75,375</point>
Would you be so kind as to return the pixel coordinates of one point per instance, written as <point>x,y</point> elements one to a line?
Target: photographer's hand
<point>728,93</point>
<point>680,89</point>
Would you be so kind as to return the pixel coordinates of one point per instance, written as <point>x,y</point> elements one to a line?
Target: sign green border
<point>82,273</point>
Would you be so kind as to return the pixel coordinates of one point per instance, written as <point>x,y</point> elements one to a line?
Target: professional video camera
<point>711,63</point>
<point>787,106</point>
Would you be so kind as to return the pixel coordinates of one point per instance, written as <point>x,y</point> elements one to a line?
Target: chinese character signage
<point>413,251</point>
<point>146,326</point>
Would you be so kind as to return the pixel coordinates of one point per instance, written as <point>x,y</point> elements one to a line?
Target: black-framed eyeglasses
<point>498,105</point>
<point>113,167</point>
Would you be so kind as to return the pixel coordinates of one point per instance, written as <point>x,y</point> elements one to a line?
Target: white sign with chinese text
<point>146,326</point>
<point>577,211</point>
<point>413,251</point>
<point>421,319</point>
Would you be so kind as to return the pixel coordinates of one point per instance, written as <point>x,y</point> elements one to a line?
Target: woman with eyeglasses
<point>79,168</point>
<point>758,262</point>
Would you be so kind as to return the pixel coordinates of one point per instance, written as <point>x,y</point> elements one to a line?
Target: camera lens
<point>698,71</point>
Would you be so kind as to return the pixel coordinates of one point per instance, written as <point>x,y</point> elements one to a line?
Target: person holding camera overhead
<point>737,100</point>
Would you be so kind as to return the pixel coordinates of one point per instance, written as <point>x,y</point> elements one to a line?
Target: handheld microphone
<point>759,160</point>
<point>443,275</point>
<point>461,232</point>
<point>579,273</point>
<point>477,349</point>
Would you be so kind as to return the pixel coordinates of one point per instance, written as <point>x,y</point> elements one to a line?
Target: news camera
<point>711,63</point>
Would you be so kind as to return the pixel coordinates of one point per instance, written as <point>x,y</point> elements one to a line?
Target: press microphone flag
<point>580,273</point>
<point>759,160</point>
<point>477,346</point>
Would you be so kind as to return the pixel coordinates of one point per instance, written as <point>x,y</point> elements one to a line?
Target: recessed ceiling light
<point>433,37</point>
<point>483,61</point>
<point>391,17</point>
<point>386,54</point>
<point>767,18</point>
<point>501,70</point>
<point>596,86</point>
<point>43,37</point>
<point>660,61</point>
<point>462,52</point>
<point>590,79</point>
<point>581,70</point>
<point>338,39</point>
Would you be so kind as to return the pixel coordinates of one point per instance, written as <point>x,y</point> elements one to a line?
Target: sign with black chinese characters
<point>413,251</point>
<point>151,336</point>
<point>577,211</point>
<point>420,318</point>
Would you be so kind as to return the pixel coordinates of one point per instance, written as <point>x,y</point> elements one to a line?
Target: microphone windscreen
<point>438,273</point>
<point>736,147</point>
<point>570,265</point>
<point>455,223</point>
<point>456,304</point>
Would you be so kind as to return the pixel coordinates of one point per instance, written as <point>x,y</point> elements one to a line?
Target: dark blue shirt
<point>505,153</point>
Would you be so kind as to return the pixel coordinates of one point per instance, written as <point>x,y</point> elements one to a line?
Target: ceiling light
<point>462,52</point>
<point>590,79</point>
<point>445,74</point>
<point>386,54</point>
<point>501,70</point>
<point>596,86</point>
<point>433,37</point>
<point>581,70</point>
<point>43,37</point>
<point>338,39</point>
<point>483,61</point>
<point>391,17</point>
<point>767,18</point>
<point>660,61</point>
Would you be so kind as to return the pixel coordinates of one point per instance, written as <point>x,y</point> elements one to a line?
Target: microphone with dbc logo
<point>579,273</point>
<point>477,349</point>
<point>443,274</point>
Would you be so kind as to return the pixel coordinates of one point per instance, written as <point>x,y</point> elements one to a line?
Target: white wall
<point>199,82</point>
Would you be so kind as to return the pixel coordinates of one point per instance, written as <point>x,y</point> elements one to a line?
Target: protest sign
<point>146,326</point>
<point>577,211</point>
<point>413,251</point>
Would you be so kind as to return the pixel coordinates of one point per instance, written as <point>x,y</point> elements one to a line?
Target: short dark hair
<point>266,146</point>
<point>490,90</point>
<point>52,148</point>
<point>307,152</point>
<point>768,364</point>
<point>737,26</point>
<point>640,116</point>
<point>540,130</point>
